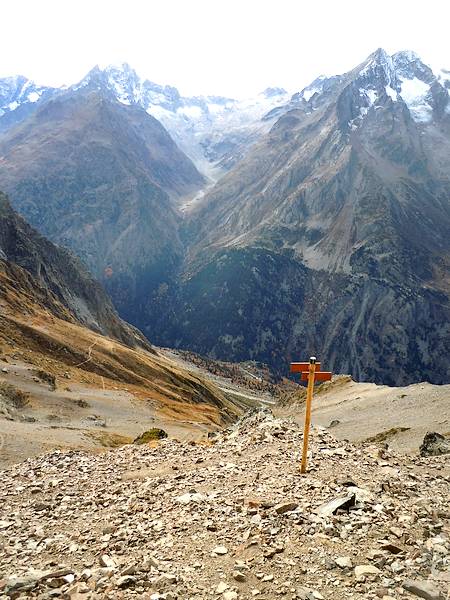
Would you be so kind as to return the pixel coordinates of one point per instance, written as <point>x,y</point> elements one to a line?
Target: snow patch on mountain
<point>402,77</point>
<point>204,127</point>
<point>414,92</point>
<point>18,91</point>
<point>391,93</point>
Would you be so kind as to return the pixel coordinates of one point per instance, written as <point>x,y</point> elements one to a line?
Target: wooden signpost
<point>311,373</point>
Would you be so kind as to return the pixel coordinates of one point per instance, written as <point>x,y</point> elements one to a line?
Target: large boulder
<point>434,444</point>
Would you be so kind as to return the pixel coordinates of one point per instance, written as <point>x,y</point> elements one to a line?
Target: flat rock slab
<point>423,589</point>
<point>329,508</point>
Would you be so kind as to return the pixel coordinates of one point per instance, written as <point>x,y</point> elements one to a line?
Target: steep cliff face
<point>56,279</point>
<point>332,236</point>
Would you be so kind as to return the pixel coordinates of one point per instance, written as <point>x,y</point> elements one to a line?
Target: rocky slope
<point>230,519</point>
<point>362,412</point>
<point>54,279</point>
<point>65,385</point>
<point>331,236</point>
<point>101,178</point>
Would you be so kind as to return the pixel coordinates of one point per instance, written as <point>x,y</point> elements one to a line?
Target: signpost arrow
<point>311,373</point>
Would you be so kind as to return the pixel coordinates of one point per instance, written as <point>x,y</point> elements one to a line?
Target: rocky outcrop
<point>434,444</point>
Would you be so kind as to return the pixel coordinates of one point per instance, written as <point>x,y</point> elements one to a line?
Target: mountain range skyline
<point>124,65</point>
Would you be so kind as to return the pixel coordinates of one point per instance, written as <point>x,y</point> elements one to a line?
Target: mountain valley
<point>225,300</point>
<point>331,209</point>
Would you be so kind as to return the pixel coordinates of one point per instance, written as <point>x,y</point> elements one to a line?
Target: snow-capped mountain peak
<point>401,77</point>
<point>16,91</point>
<point>199,124</point>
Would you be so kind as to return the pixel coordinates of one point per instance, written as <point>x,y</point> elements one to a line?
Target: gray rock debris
<point>234,519</point>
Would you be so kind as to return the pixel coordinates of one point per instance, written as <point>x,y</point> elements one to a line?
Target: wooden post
<point>309,394</point>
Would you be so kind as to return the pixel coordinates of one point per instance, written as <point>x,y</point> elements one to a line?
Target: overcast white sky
<point>227,47</point>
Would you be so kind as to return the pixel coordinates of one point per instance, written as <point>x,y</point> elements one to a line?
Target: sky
<point>234,48</point>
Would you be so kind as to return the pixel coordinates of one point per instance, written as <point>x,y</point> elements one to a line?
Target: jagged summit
<point>401,77</point>
<point>270,92</point>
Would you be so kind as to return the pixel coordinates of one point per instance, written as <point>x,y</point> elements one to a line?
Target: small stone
<point>392,548</point>
<point>126,581</point>
<point>363,570</point>
<point>238,576</point>
<point>222,587</point>
<point>434,444</point>
<point>396,531</point>
<point>26,583</point>
<point>285,507</point>
<point>188,498</point>
<point>220,550</point>
<point>423,589</point>
<point>230,596</point>
<point>40,506</point>
<point>267,578</point>
<point>107,561</point>
<point>345,562</point>
<point>329,508</point>
<point>130,570</point>
<point>148,563</point>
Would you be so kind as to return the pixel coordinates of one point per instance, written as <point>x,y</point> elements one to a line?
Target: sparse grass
<point>384,435</point>
<point>109,440</point>
<point>151,435</point>
<point>13,395</point>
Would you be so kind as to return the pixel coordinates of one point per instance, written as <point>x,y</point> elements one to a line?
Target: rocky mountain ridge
<point>19,97</point>
<point>214,131</point>
<point>340,212</point>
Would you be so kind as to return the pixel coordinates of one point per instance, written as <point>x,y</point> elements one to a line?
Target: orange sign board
<point>301,367</point>
<point>311,373</point>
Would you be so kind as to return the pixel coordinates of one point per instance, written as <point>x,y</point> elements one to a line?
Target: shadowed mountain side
<point>43,332</point>
<point>59,274</point>
<point>100,178</point>
<point>251,303</point>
